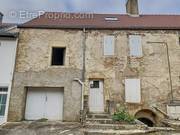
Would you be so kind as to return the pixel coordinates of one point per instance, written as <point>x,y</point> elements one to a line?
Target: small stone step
<point>114,126</point>
<point>117,132</point>
<point>99,121</point>
<point>100,115</point>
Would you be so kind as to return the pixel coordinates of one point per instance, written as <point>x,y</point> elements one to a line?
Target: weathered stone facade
<point>152,68</point>
<point>33,68</point>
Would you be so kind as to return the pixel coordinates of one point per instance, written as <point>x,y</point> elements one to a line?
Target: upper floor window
<point>135,45</point>
<point>109,43</point>
<point>58,56</point>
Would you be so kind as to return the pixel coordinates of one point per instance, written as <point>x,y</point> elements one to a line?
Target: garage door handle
<point>46,98</point>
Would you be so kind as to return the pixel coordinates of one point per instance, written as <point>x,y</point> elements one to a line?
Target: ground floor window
<point>3,100</point>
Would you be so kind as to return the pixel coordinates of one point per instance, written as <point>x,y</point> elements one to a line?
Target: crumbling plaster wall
<point>33,69</point>
<point>152,68</point>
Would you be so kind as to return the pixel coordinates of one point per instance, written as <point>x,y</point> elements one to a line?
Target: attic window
<point>111,19</point>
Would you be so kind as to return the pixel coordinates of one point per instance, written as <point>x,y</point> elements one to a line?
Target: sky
<point>14,10</point>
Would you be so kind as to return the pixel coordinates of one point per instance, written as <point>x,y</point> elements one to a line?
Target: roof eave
<point>99,28</point>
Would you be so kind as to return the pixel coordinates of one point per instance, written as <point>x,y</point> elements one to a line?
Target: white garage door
<point>44,103</point>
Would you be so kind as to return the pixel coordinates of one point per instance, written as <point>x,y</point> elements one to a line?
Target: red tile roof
<point>97,21</point>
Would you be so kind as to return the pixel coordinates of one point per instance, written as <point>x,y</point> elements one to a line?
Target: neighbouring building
<point>8,45</point>
<point>67,62</point>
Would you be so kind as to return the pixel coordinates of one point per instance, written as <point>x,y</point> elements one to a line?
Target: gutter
<point>8,35</point>
<point>80,27</point>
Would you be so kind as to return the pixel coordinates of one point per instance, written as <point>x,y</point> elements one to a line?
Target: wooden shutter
<point>135,45</point>
<point>109,45</point>
<point>132,91</point>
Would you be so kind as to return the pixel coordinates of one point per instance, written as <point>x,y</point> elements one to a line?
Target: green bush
<point>123,116</point>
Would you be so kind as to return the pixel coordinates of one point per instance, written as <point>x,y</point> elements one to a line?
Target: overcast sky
<point>11,8</point>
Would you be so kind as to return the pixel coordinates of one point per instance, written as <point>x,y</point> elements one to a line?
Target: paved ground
<point>52,128</point>
<point>41,128</point>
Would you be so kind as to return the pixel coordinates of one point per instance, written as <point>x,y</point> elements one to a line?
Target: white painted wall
<point>7,62</point>
<point>7,58</point>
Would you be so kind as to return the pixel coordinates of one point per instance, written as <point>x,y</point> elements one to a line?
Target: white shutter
<point>173,111</point>
<point>132,91</point>
<point>109,45</point>
<point>135,45</point>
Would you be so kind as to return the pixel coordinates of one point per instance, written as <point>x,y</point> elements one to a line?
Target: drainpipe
<point>84,68</point>
<point>169,67</point>
<point>170,76</point>
<point>83,75</point>
<point>84,54</point>
<point>82,92</point>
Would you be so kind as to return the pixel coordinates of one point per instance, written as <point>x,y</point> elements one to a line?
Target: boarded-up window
<point>135,45</point>
<point>109,45</point>
<point>132,91</point>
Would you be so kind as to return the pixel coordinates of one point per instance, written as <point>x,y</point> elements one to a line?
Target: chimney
<point>132,8</point>
<point>1,17</point>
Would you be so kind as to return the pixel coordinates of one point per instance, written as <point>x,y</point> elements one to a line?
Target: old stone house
<point>68,62</point>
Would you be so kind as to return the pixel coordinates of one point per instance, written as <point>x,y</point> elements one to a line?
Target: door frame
<point>100,81</point>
